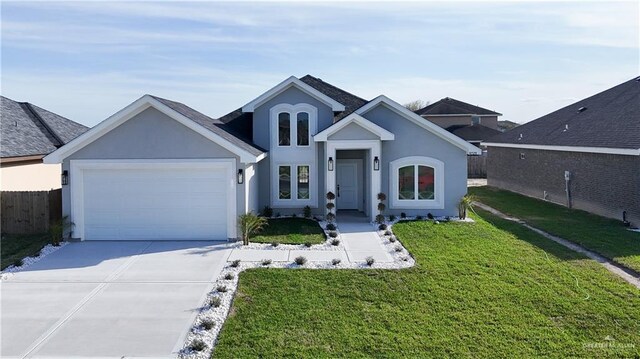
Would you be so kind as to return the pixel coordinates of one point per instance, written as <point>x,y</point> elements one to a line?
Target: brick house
<point>590,148</point>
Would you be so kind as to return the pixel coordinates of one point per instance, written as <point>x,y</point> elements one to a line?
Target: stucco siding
<point>353,131</point>
<point>604,184</point>
<point>413,140</point>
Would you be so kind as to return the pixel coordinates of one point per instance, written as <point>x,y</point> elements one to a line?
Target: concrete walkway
<point>358,237</point>
<point>628,274</point>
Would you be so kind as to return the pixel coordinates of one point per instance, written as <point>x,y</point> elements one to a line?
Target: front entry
<point>347,181</point>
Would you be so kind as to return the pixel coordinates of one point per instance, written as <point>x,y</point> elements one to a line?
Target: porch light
<point>376,163</point>
<point>330,164</point>
<point>240,176</point>
<point>64,178</point>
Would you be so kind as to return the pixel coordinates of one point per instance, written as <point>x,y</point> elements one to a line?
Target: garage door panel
<point>149,203</point>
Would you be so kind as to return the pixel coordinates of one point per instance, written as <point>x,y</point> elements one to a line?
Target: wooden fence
<point>477,166</point>
<point>29,212</point>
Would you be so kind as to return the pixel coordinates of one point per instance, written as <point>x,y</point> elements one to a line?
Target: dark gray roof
<point>216,126</point>
<point>451,106</point>
<point>608,119</point>
<point>473,132</point>
<point>28,130</point>
<point>351,102</point>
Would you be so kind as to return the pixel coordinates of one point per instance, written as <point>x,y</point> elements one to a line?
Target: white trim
<point>417,119</point>
<point>604,150</point>
<point>438,167</point>
<point>293,82</point>
<point>294,202</point>
<point>293,111</point>
<point>359,120</point>
<point>131,111</point>
<point>77,168</point>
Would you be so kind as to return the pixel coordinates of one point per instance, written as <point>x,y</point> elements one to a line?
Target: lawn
<point>291,231</point>
<point>603,235</point>
<point>486,289</point>
<point>14,247</point>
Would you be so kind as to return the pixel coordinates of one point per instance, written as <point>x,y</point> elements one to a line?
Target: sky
<point>87,60</point>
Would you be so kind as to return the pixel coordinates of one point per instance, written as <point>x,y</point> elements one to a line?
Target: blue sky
<point>87,60</point>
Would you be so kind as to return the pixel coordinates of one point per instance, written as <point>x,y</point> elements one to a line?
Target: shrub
<point>306,211</point>
<point>403,215</point>
<point>294,216</point>
<point>392,239</point>
<point>229,276</point>
<point>465,204</point>
<point>250,224</point>
<point>58,229</point>
<point>387,233</point>
<point>381,206</point>
<point>266,262</point>
<point>331,217</point>
<point>331,196</point>
<point>267,212</point>
<point>392,217</point>
<point>382,196</point>
<point>398,249</point>
<point>235,263</point>
<point>278,215</point>
<point>221,289</point>
<point>308,244</point>
<point>419,218</point>
<point>379,219</point>
<point>330,206</point>
<point>274,244</point>
<point>331,227</point>
<point>382,227</point>
<point>215,302</point>
<point>300,260</point>
<point>429,215</point>
<point>207,324</point>
<point>336,261</point>
<point>198,345</point>
<point>335,242</point>
<point>333,234</point>
<point>369,261</point>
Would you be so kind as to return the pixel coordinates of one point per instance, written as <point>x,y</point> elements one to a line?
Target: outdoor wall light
<point>376,163</point>
<point>330,164</point>
<point>240,176</point>
<point>65,177</point>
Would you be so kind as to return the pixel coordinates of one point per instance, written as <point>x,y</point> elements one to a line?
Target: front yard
<point>485,289</point>
<point>14,247</point>
<point>290,231</point>
<point>599,234</point>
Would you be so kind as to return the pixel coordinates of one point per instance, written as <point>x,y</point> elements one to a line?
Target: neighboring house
<point>506,125</point>
<point>469,122</point>
<point>159,169</point>
<point>28,134</point>
<point>591,147</point>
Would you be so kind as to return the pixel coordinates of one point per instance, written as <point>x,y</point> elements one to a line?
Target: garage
<point>153,199</point>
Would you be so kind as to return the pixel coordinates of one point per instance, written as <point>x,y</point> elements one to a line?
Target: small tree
<point>415,105</point>
<point>381,208</point>
<point>466,203</point>
<point>250,224</point>
<point>330,206</point>
<point>59,228</point>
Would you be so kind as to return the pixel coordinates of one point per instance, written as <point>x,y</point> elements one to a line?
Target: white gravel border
<point>27,261</point>
<point>326,246</point>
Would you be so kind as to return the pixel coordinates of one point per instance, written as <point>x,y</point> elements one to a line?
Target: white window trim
<point>294,202</point>
<point>438,167</point>
<point>293,111</point>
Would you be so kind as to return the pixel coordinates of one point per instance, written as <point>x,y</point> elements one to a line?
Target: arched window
<point>284,129</point>
<point>417,182</point>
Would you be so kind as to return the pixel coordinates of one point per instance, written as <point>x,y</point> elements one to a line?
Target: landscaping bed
<point>605,236</point>
<point>485,289</point>
<point>291,231</point>
<point>15,247</point>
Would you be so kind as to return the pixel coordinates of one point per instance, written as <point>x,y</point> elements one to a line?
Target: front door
<point>347,184</point>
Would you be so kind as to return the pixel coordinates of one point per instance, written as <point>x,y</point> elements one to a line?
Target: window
<point>522,155</point>
<point>475,120</point>
<point>303,182</point>
<point>303,129</point>
<point>284,182</point>
<point>284,129</point>
<point>417,182</point>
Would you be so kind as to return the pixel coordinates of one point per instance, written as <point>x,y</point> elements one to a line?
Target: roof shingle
<point>451,106</point>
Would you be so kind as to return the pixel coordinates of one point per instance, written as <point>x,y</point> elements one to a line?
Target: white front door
<point>347,184</point>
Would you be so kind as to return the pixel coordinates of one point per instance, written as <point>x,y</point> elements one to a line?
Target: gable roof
<point>198,122</point>
<point>350,101</point>
<point>292,81</point>
<point>427,125</point>
<point>29,130</point>
<point>451,106</point>
<point>360,121</point>
<point>473,132</point>
<point>609,119</point>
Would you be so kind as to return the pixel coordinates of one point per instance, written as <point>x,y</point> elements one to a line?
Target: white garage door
<point>156,203</point>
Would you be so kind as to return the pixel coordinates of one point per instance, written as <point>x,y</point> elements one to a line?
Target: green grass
<point>599,234</point>
<point>14,247</point>
<point>291,231</point>
<point>487,289</point>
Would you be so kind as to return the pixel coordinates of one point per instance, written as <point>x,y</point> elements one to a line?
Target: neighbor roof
<point>451,106</point>
<point>473,132</point>
<point>29,130</point>
<point>609,119</point>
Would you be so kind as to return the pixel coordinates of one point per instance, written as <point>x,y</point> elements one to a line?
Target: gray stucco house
<point>158,169</point>
<point>585,155</point>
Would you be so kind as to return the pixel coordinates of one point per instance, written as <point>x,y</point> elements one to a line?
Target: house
<point>159,169</point>
<point>469,122</point>
<point>28,134</point>
<point>585,155</point>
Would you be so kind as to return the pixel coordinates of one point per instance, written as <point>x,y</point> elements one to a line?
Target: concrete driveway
<point>108,299</point>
